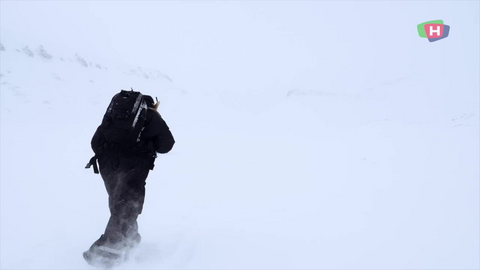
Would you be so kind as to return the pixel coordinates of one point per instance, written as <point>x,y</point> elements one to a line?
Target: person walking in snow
<point>126,145</point>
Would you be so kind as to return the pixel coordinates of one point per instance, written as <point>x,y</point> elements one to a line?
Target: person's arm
<point>158,134</point>
<point>98,141</point>
<point>163,141</point>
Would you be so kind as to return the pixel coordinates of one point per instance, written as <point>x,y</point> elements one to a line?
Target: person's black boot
<point>134,240</point>
<point>102,253</point>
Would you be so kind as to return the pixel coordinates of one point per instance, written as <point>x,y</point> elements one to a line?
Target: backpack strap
<point>93,162</point>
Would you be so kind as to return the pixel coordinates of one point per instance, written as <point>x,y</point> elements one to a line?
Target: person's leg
<point>134,198</point>
<point>125,184</point>
<point>108,174</point>
<point>132,236</point>
<point>122,213</point>
<point>126,203</point>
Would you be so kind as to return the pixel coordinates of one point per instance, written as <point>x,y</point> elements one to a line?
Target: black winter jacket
<point>155,138</point>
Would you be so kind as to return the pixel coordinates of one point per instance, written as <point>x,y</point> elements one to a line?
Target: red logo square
<point>434,30</point>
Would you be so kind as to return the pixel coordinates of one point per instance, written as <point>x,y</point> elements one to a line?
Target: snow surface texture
<point>310,135</point>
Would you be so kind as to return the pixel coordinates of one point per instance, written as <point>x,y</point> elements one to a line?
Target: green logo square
<point>421,28</point>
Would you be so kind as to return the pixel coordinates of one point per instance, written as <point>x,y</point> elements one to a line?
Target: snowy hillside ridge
<point>41,53</point>
<point>298,92</point>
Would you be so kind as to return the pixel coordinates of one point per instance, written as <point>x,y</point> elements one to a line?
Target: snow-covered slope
<point>362,171</point>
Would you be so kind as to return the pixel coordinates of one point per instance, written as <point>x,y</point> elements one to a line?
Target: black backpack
<point>125,118</point>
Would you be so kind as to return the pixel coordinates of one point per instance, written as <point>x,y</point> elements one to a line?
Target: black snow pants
<point>124,178</point>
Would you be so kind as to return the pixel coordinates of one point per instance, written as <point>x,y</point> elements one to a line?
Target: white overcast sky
<point>251,45</point>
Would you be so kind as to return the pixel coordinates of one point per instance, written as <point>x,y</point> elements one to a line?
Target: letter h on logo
<point>434,30</point>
